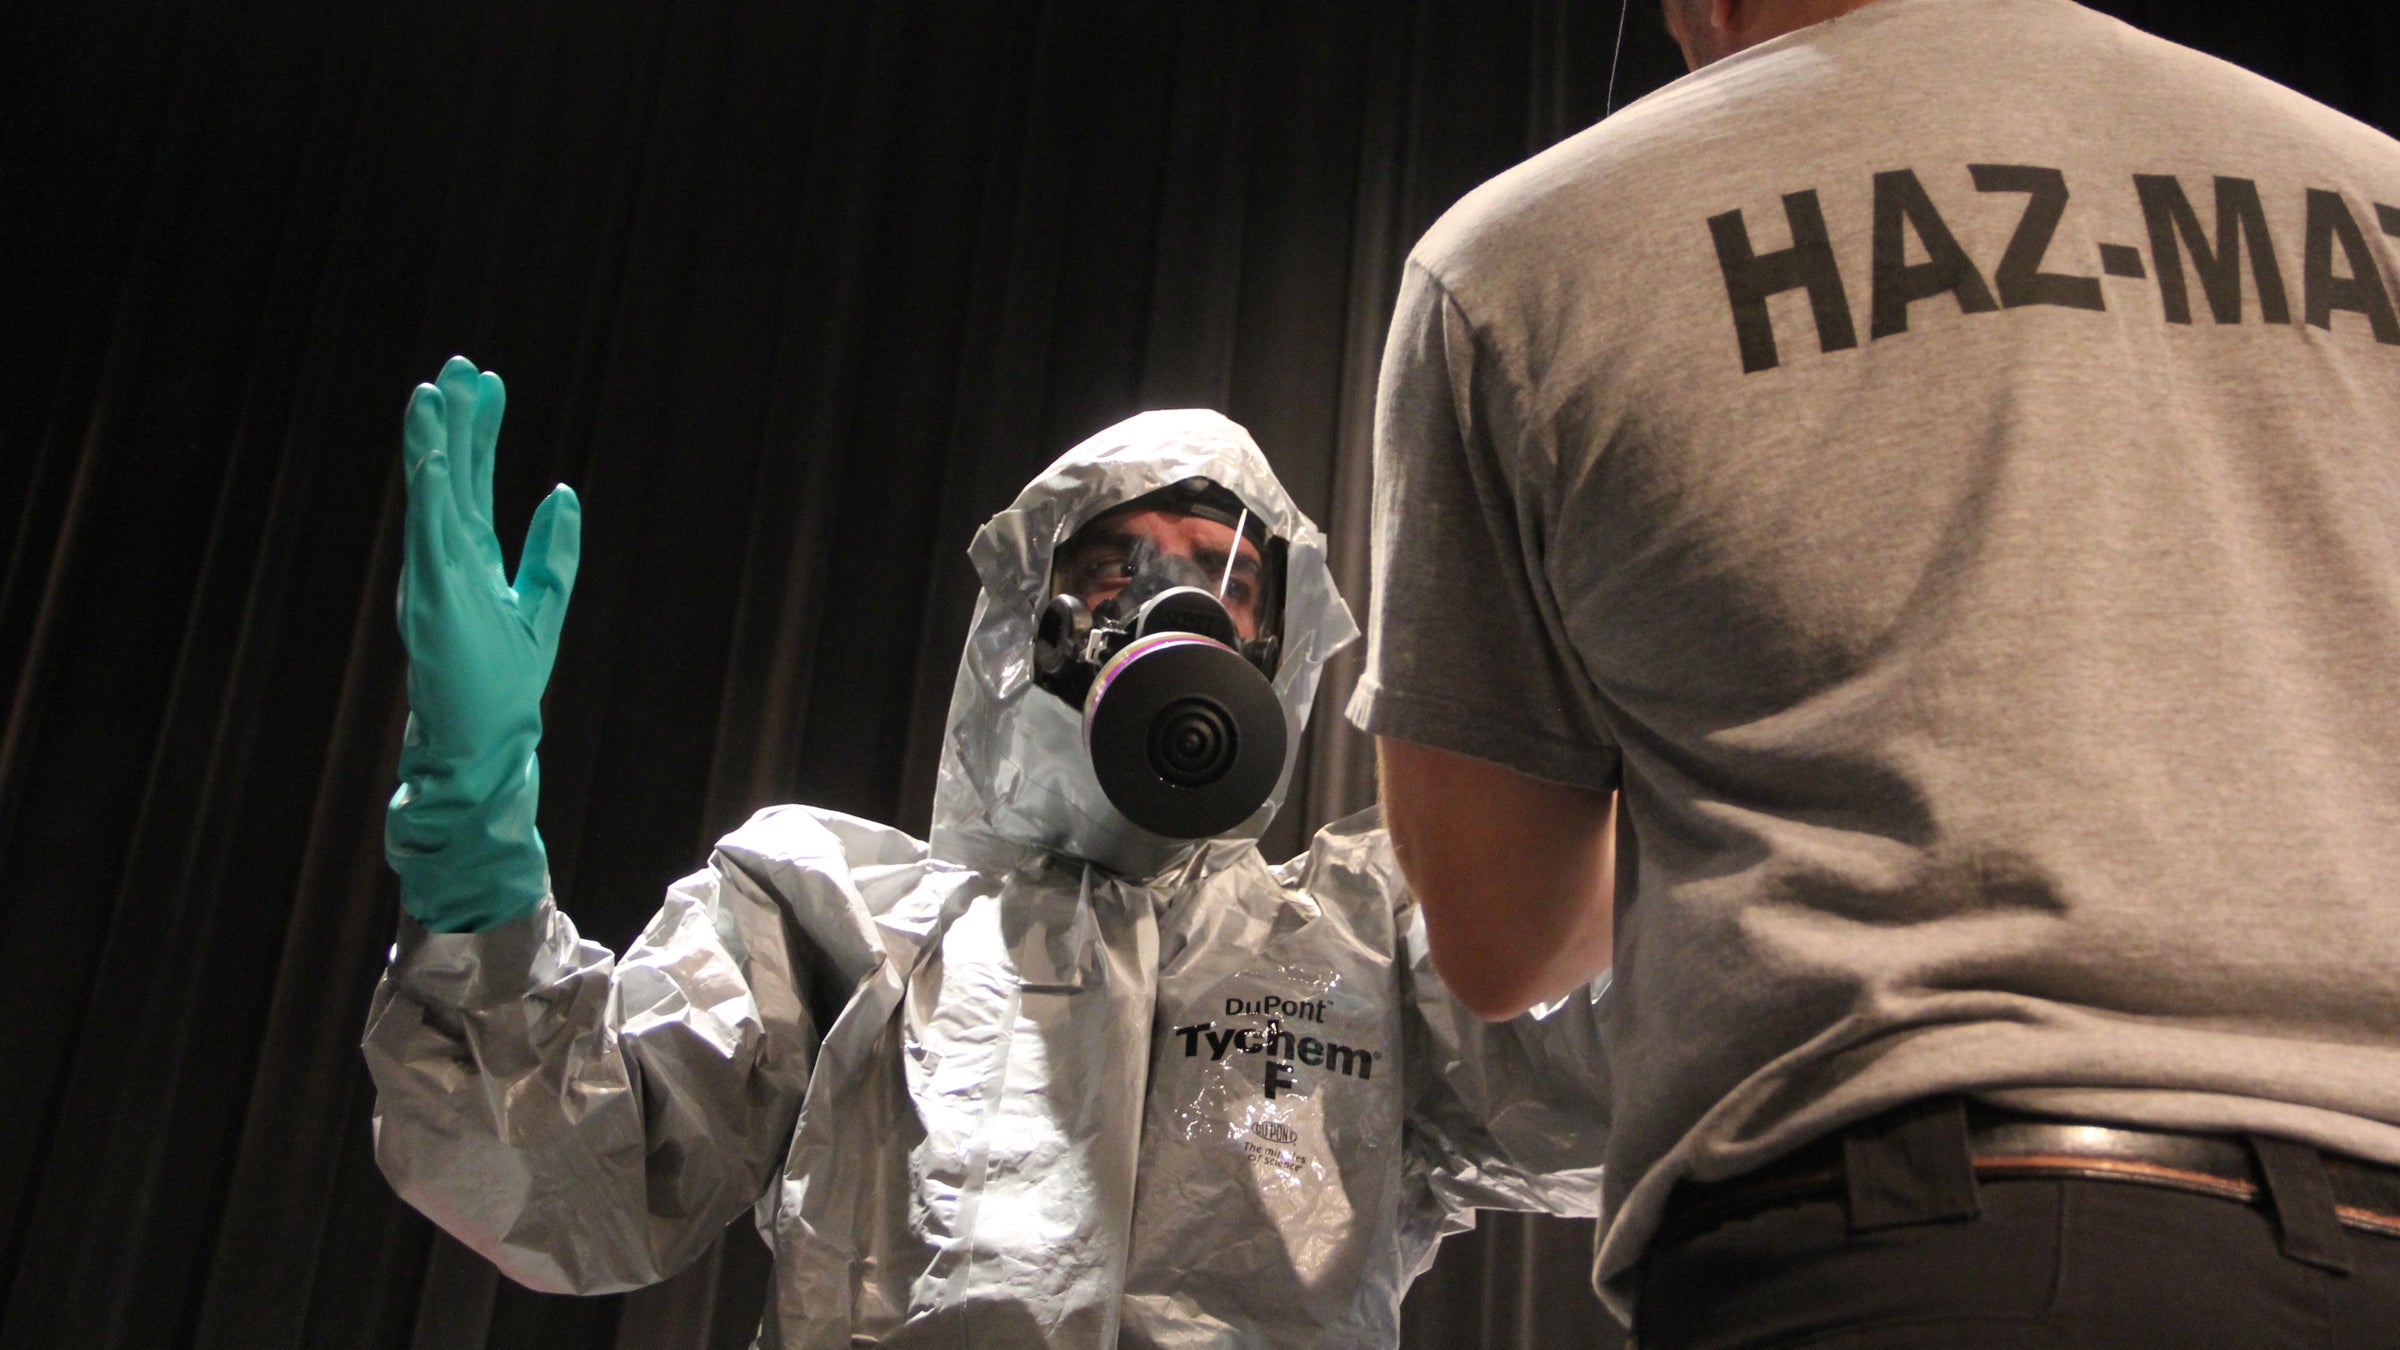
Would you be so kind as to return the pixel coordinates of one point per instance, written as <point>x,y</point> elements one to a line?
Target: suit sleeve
<point>591,1123</point>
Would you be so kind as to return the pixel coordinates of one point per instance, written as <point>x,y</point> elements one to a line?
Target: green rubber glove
<point>460,831</point>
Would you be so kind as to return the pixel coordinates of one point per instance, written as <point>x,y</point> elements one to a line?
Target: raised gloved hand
<point>460,831</point>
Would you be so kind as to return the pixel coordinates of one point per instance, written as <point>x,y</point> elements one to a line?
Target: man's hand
<point>479,648</point>
<point>460,831</point>
<point>1517,875</point>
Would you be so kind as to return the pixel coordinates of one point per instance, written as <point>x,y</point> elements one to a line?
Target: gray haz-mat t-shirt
<point>1943,465</point>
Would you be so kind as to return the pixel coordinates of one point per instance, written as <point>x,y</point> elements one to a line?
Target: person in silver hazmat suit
<point>1050,1079</point>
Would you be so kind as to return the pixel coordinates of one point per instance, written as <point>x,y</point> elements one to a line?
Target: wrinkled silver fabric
<point>1047,1080</point>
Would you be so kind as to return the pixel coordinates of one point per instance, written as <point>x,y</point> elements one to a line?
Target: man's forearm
<point>1516,874</point>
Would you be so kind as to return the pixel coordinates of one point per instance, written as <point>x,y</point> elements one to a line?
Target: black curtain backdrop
<point>795,295</point>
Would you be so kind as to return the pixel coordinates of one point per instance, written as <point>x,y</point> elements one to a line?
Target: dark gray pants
<point>2041,1262</point>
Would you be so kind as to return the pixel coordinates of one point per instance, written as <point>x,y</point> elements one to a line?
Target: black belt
<point>2366,1196</point>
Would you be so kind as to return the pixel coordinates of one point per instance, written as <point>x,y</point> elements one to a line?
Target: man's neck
<point>1711,30</point>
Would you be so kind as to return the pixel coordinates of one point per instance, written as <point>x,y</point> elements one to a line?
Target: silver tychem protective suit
<point>1048,1080</point>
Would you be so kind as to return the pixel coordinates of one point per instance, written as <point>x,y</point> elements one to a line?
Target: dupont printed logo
<point>1290,1058</point>
<point>1275,1132</point>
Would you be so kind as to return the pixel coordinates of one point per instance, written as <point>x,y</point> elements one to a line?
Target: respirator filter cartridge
<point>1185,735</point>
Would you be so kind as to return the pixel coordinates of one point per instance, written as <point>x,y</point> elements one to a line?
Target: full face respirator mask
<point>1164,629</point>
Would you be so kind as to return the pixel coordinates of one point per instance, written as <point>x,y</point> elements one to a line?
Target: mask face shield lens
<point>1189,534</point>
